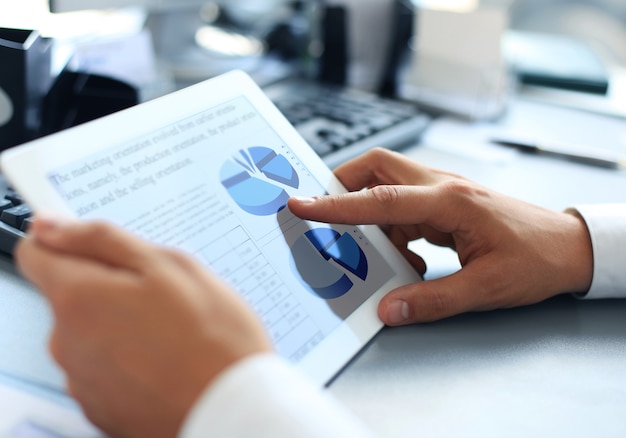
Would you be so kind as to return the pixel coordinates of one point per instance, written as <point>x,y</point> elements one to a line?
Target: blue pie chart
<point>312,254</point>
<point>256,179</point>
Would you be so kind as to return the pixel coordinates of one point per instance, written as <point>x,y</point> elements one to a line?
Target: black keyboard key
<point>8,238</point>
<point>9,234</point>
<point>4,204</point>
<point>15,198</point>
<point>14,216</point>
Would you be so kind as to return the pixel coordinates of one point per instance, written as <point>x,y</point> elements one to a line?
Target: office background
<point>555,369</point>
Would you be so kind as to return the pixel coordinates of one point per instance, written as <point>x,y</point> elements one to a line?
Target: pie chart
<point>323,257</point>
<point>256,179</point>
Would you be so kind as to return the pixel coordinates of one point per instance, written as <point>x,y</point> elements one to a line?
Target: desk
<point>553,369</point>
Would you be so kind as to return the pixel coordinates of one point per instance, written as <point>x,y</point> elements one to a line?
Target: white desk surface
<point>553,369</point>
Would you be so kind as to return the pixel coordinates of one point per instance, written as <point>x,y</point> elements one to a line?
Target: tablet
<point>209,170</point>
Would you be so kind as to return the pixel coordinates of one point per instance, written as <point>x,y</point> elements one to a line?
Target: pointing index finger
<point>384,204</point>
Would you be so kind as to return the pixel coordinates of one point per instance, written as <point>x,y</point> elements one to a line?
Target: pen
<point>599,158</point>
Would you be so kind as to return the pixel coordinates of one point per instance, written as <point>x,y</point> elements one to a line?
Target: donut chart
<point>323,257</point>
<point>256,179</point>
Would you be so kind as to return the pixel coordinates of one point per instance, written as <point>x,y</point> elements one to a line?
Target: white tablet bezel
<point>27,166</point>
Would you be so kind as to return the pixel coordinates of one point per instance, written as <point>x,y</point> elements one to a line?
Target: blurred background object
<point>198,38</point>
<point>158,46</point>
<point>602,23</point>
<point>24,82</point>
<point>458,65</point>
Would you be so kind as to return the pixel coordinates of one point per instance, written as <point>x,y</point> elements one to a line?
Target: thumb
<point>430,300</point>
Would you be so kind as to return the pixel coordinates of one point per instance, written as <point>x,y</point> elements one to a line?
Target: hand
<point>512,253</point>
<point>140,330</point>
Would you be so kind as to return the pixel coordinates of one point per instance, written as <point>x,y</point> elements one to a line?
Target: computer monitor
<point>186,41</point>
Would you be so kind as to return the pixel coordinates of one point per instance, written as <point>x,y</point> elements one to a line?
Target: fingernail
<point>304,200</point>
<point>397,312</point>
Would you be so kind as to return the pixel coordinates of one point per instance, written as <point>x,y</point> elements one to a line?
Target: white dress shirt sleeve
<point>264,396</point>
<point>607,228</point>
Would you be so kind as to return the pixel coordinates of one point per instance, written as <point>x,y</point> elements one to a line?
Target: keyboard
<point>338,123</point>
<point>15,217</point>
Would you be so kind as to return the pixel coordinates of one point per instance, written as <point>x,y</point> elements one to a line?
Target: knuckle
<point>463,191</point>
<point>379,157</point>
<point>385,194</point>
<point>431,304</point>
<point>379,153</point>
<point>458,187</point>
<point>439,305</point>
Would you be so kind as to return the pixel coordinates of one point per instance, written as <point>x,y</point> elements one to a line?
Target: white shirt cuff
<point>607,228</point>
<point>264,396</point>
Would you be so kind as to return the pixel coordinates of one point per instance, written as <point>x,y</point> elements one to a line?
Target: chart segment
<point>323,257</point>
<point>256,179</point>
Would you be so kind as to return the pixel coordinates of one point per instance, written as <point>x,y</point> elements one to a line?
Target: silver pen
<point>598,158</point>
